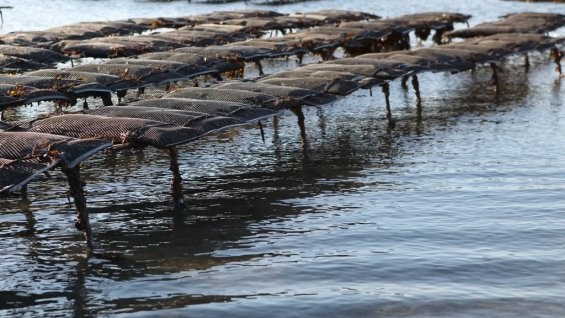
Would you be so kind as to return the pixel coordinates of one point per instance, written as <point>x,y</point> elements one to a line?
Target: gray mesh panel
<point>226,95</point>
<point>219,108</point>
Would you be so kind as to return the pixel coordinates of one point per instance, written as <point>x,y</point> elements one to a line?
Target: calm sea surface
<point>459,213</point>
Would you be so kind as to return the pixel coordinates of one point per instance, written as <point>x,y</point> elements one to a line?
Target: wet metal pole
<point>77,192</point>
<point>297,110</point>
<point>416,86</point>
<point>386,90</point>
<point>557,55</point>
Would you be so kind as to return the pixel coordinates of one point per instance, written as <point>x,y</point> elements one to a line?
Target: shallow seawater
<point>454,213</point>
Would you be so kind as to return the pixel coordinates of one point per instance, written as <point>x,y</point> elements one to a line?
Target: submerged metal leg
<point>416,86</point>
<point>557,55</point>
<point>404,82</point>
<point>77,192</point>
<point>107,99</point>
<point>386,90</point>
<point>526,62</point>
<point>495,77</point>
<point>176,182</point>
<point>23,193</point>
<point>300,115</point>
<point>259,67</point>
<point>262,130</point>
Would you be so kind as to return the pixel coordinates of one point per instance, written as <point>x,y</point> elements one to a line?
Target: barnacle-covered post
<point>77,192</point>
<point>176,182</point>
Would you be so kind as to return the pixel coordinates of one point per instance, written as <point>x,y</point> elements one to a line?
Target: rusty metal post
<point>416,86</point>
<point>176,182</point>
<point>526,62</point>
<point>77,192</point>
<point>386,90</point>
<point>297,110</point>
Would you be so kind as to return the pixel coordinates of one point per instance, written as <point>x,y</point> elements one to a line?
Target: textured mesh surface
<point>45,82</point>
<point>205,123</point>
<point>19,145</point>
<point>12,64</point>
<point>16,173</point>
<point>500,45</point>
<point>30,53</point>
<point>111,82</point>
<point>528,22</point>
<point>166,66</point>
<point>380,65</point>
<point>117,130</point>
<point>219,108</point>
<point>226,95</point>
<point>24,155</point>
<point>301,73</point>
<point>31,38</point>
<point>277,46</point>
<point>333,15</point>
<point>302,95</point>
<point>99,28</point>
<point>196,61</point>
<point>189,37</point>
<point>13,95</point>
<point>360,69</point>
<point>142,75</point>
<point>322,85</point>
<point>230,52</point>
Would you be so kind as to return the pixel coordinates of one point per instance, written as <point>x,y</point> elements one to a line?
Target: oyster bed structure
<point>218,46</point>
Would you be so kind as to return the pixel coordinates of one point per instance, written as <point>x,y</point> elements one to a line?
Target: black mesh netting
<point>218,108</point>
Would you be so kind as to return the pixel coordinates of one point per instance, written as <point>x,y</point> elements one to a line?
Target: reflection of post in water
<point>176,182</point>
<point>556,55</point>
<point>77,192</point>
<point>322,121</point>
<point>495,80</point>
<point>78,292</point>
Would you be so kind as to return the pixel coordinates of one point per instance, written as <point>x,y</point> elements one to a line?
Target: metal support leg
<point>107,99</point>
<point>262,131</point>
<point>416,86</point>
<point>259,67</point>
<point>386,90</point>
<point>526,62</point>
<point>557,55</point>
<point>404,82</point>
<point>495,77</point>
<point>176,182</point>
<point>77,192</point>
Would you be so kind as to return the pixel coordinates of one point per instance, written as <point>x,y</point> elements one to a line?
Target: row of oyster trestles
<point>376,52</point>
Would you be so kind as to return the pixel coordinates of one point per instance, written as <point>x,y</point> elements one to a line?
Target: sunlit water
<point>458,213</point>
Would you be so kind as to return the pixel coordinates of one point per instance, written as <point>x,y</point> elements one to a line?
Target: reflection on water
<point>454,213</point>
